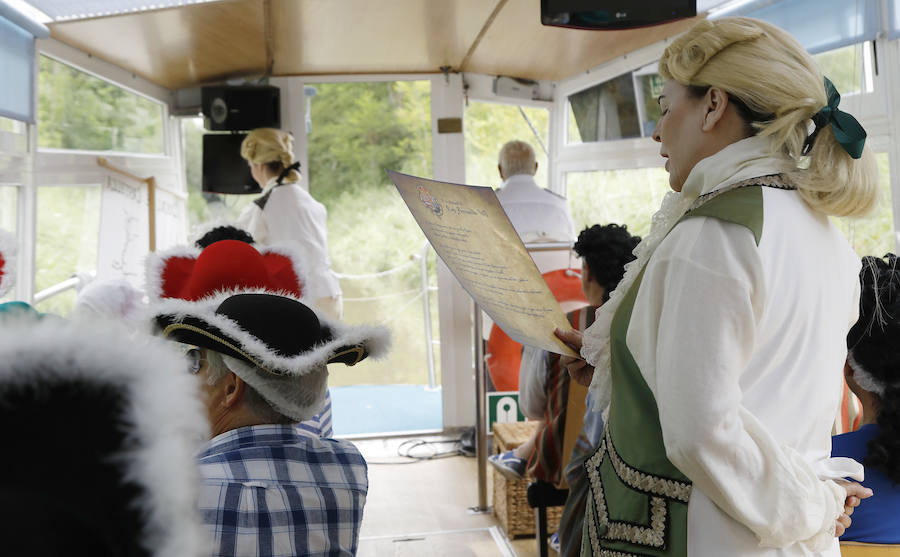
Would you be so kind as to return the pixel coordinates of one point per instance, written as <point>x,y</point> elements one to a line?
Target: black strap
<point>262,200</point>
<point>284,173</point>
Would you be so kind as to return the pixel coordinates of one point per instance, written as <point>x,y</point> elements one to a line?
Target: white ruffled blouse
<point>743,348</point>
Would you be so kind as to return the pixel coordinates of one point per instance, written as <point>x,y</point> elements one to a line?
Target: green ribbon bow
<point>846,129</point>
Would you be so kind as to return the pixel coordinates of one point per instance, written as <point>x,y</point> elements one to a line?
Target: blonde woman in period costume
<point>719,356</point>
<point>287,214</point>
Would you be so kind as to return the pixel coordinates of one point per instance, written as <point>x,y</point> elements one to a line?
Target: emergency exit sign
<point>503,407</point>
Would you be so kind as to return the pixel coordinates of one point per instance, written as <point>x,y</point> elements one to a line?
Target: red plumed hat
<point>188,273</point>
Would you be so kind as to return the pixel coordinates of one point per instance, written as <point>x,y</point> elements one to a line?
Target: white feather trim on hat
<point>296,258</point>
<point>163,413</point>
<point>375,338</point>
<point>111,299</point>
<point>156,262</point>
<point>8,249</point>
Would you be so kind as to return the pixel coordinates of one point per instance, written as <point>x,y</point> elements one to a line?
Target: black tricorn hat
<point>132,482</point>
<point>273,332</point>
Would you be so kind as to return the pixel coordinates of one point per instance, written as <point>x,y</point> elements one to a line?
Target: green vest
<point>638,500</point>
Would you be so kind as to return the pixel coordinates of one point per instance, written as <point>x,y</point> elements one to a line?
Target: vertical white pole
<point>889,58</point>
<point>26,220</point>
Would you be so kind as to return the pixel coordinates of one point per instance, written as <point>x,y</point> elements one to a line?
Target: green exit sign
<point>503,407</point>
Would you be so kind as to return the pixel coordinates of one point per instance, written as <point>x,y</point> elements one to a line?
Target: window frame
<point>50,167</point>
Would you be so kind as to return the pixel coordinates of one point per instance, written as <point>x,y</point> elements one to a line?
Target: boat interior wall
<point>203,43</point>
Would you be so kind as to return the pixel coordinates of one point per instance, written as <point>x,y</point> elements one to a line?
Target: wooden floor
<point>423,508</point>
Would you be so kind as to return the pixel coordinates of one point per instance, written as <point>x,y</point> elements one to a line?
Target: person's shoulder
<point>341,448</point>
<point>554,195</point>
<point>338,446</point>
<point>853,443</point>
<point>293,197</point>
<point>287,190</point>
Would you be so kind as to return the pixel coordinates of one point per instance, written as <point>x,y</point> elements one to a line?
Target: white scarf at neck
<point>745,159</point>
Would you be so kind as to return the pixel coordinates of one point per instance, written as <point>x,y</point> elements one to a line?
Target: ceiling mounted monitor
<point>614,14</point>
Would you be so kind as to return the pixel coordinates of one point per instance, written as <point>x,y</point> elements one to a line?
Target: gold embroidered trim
<point>655,487</point>
<point>641,481</point>
<point>777,181</point>
<point>357,350</point>
<point>198,330</point>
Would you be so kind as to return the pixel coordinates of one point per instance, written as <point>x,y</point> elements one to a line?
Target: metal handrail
<point>548,246</point>
<point>426,309</point>
<point>74,282</point>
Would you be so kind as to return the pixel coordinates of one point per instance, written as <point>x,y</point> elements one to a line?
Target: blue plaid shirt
<point>270,490</point>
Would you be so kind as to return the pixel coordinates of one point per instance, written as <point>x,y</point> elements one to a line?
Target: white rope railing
<point>413,259</point>
<point>385,296</point>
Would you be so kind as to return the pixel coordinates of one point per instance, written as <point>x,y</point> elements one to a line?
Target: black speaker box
<point>614,14</point>
<point>224,170</point>
<point>241,108</point>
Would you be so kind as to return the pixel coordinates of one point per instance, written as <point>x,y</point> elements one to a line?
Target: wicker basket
<point>510,496</point>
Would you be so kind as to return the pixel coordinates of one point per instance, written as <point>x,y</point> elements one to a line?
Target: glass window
<point>605,111</point>
<point>650,86</point>
<point>844,67</point>
<point>874,234</point>
<point>13,136</point>
<point>9,203</point>
<point>8,125</point>
<point>79,111</point>
<point>616,196</point>
<point>68,225</point>
<point>488,126</point>
<point>356,131</point>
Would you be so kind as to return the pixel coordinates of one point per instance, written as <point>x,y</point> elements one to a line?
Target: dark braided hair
<point>606,250</point>
<point>225,232</point>
<point>873,345</point>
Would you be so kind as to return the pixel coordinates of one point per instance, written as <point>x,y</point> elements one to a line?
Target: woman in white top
<point>287,213</point>
<point>719,355</point>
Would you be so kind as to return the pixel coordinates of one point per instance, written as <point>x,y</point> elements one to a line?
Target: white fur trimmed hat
<point>103,430</point>
<point>191,273</point>
<point>275,343</point>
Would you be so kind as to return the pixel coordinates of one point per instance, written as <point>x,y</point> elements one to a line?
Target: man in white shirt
<point>537,214</point>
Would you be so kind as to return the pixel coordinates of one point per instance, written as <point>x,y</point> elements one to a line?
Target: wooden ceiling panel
<point>178,47</point>
<point>518,45</point>
<point>203,43</point>
<point>365,36</point>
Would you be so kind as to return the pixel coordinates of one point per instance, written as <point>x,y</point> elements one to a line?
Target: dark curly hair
<point>606,249</point>
<point>873,345</point>
<point>224,232</point>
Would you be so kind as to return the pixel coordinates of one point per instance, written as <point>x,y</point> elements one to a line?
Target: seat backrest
<point>857,549</point>
<point>575,408</point>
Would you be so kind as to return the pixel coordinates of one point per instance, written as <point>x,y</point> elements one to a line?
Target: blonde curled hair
<point>781,87</point>
<point>273,148</point>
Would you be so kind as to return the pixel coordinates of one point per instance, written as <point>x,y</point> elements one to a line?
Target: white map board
<point>124,236</point>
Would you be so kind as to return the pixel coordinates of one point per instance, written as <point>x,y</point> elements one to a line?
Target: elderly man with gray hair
<point>537,214</point>
<point>268,488</point>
